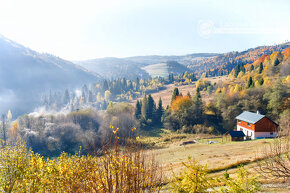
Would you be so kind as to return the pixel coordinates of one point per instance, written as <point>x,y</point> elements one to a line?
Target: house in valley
<point>256,126</point>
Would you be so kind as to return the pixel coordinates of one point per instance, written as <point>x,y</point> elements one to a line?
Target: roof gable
<point>250,117</point>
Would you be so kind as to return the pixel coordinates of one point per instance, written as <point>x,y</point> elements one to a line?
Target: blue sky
<point>86,29</point>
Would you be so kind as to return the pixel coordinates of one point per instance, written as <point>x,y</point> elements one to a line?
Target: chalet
<point>256,126</point>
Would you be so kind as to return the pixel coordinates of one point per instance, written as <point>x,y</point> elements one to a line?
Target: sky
<point>87,29</point>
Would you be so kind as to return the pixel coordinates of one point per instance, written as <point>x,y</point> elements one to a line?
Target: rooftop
<point>250,117</point>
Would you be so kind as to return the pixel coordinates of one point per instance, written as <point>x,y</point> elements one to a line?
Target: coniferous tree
<point>151,107</point>
<point>137,84</point>
<point>261,68</point>
<point>276,62</point>
<point>197,99</point>
<point>261,81</point>
<point>252,67</point>
<point>138,110</point>
<point>198,109</point>
<point>159,111</point>
<point>174,94</point>
<point>237,70</point>
<point>144,107</point>
<point>250,82</point>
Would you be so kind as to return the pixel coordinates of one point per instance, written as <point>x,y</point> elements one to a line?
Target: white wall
<point>247,132</point>
<point>255,135</point>
<point>265,134</point>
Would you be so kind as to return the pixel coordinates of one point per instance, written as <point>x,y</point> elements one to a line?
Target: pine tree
<point>276,62</point>
<point>261,81</point>
<point>138,110</point>
<point>137,84</point>
<point>144,107</point>
<point>250,82</point>
<point>159,111</point>
<point>198,109</point>
<point>261,68</point>
<point>174,94</point>
<point>252,67</point>
<point>237,70</point>
<point>151,107</point>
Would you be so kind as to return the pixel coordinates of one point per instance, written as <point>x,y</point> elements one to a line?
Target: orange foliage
<point>286,53</point>
<point>261,59</point>
<point>181,102</point>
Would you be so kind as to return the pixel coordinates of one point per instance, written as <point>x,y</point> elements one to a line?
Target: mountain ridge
<point>25,74</point>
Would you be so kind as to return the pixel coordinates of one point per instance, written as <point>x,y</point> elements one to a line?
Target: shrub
<point>193,179</point>
<point>117,170</point>
<point>243,183</point>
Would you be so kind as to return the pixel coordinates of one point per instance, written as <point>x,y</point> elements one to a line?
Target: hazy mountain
<point>114,68</point>
<point>163,69</point>
<point>183,59</point>
<point>25,74</point>
<point>132,67</point>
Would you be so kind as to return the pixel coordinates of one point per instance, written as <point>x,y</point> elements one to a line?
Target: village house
<point>256,126</point>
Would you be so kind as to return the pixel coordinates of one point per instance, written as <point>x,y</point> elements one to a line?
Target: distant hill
<point>132,67</point>
<point>212,63</point>
<point>165,68</point>
<point>114,68</point>
<point>25,74</point>
<point>183,59</point>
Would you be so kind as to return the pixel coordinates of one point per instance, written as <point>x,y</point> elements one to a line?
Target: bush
<point>193,179</point>
<point>243,183</point>
<point>115,171</point>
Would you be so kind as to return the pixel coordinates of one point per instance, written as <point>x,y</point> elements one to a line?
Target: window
<point>271,133</point>
<point>239,121</point>
<point>249,125</point>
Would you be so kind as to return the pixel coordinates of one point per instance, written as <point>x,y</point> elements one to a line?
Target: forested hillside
<point>224,63</point>
<point>26,74</point>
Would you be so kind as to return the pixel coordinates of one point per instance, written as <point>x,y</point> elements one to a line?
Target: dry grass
<point>217,156</point>
<point>167,92</point>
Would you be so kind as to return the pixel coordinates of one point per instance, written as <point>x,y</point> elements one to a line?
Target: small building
<point>237,135</point>
<point>256,126</point>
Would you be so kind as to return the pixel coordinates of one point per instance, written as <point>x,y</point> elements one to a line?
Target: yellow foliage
<point>13,131</point>
<point>115,171</point>
<point>237,88</point>
<point>181,102</point>
<point>287,79</point>
<point>257,83</point>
